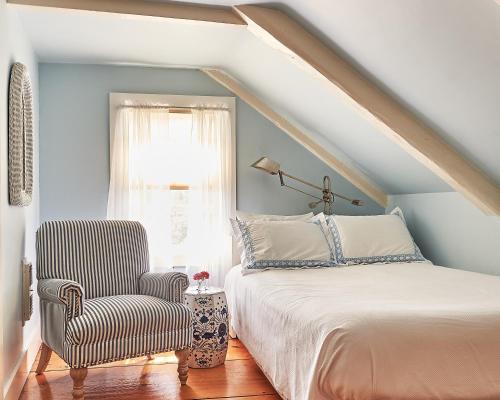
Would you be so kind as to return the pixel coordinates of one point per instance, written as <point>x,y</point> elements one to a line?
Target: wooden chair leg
<point>182,368</point>
<point>45,354</point>
<point>78,375</point>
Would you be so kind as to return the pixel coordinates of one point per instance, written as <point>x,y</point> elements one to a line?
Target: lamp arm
<point>301,180</point>
<point>282,173</point>
<point>301,191</point>
<point>353,201</point>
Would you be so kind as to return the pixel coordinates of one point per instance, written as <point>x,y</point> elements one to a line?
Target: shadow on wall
<point>451,232</point>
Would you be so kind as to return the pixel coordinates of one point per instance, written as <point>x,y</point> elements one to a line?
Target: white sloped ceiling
<point>439,58</point>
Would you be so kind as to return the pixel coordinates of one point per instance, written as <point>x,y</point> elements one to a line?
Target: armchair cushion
<point>63,291</point>
<point>135,317</point>
<point>169,286</point>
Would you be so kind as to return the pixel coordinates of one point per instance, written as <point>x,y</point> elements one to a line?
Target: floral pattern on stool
<point>210,327</point>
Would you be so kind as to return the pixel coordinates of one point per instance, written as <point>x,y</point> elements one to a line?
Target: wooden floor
<point>238,379</point>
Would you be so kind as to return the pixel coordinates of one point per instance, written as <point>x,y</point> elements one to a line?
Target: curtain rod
<point>185,109</point>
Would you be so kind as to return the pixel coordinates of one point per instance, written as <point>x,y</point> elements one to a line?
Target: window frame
<point>118,99</point>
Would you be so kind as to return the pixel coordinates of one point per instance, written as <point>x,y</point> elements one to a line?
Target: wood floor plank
<point>257,397</point>
<point>237,379</point>
<point>237,351</point>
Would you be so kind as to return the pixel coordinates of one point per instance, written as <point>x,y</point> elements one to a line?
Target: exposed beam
<point>357,178</point>
<point>223,15</point>
<point>391,117</point>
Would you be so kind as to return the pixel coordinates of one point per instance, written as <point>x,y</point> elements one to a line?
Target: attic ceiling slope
<point>357,178</point>
<point>218,14</point>
<point>390,117</point>
<point>464,114</point>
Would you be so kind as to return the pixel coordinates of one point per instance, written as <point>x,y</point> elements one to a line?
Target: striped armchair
<point>99,302</point>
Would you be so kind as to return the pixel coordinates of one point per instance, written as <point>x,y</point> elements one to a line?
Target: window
<point>172,169</point>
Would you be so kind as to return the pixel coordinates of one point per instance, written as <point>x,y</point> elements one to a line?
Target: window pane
<point>179,216</point>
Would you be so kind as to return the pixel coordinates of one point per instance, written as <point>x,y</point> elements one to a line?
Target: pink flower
<point>201,276</point>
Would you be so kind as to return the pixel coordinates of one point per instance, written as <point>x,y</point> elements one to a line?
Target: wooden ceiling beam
<point>193,12</point>
<point>387,114</point>
<point>357,178</point>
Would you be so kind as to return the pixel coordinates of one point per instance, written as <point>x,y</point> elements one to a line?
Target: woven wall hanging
<point>20,136</point>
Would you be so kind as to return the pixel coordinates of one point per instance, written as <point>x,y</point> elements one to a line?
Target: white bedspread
<point>395,331</point>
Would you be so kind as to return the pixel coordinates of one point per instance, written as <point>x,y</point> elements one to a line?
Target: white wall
<point>451,231</point>
<point>17,224</point>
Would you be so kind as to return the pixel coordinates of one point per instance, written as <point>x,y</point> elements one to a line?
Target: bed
<point>384,331</point>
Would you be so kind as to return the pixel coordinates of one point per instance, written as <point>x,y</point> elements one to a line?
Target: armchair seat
<point>126,317</point>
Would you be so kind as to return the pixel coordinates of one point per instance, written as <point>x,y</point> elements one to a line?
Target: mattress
<point>392,331</point>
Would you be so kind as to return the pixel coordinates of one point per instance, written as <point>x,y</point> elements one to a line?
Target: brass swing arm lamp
<point>328,197</point>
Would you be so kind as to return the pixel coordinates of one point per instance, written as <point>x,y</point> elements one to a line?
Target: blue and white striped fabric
<point>94,280</point>
<point>119,317</point>
<point>79,356</point>
<point>105,257</point>
<point>66,292</point>
<point>168,286</point>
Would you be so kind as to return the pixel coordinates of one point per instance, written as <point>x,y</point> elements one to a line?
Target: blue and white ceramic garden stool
<point>210,326</point>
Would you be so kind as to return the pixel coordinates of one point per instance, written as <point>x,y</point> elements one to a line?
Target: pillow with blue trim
<point>372,239</point>
<point>283,245</point>
<point>247,216</point>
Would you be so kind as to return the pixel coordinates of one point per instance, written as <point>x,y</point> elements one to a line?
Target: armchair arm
<point>62,291</point>
<point>169,286</point>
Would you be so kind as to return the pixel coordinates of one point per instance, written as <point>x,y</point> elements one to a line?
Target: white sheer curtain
<point>174,173</point>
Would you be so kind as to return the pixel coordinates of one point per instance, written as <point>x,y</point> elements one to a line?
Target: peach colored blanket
<point>394,331</point>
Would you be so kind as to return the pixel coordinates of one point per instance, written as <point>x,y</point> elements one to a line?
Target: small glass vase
<point>202,285</point>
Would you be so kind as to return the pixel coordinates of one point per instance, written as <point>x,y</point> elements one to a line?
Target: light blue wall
<point>74,142</point>
<point>451,231</point>
<point>17,224</point>
<point>74,162</point>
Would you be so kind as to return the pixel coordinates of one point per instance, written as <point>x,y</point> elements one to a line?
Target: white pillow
<point>372,239</point>
<point>246,216</point>
<point>321,220</point>
<point>397,211</point>
<point>283,244</point>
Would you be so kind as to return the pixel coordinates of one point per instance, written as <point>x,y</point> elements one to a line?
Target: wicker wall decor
<point>20,136</point>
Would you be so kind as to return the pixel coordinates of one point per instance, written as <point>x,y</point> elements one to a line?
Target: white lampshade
<point>267,165</point>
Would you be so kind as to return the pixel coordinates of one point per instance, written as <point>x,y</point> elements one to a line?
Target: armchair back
<point>105,257</point>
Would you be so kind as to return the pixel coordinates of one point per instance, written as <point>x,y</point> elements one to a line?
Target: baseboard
<point>23,368</point>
